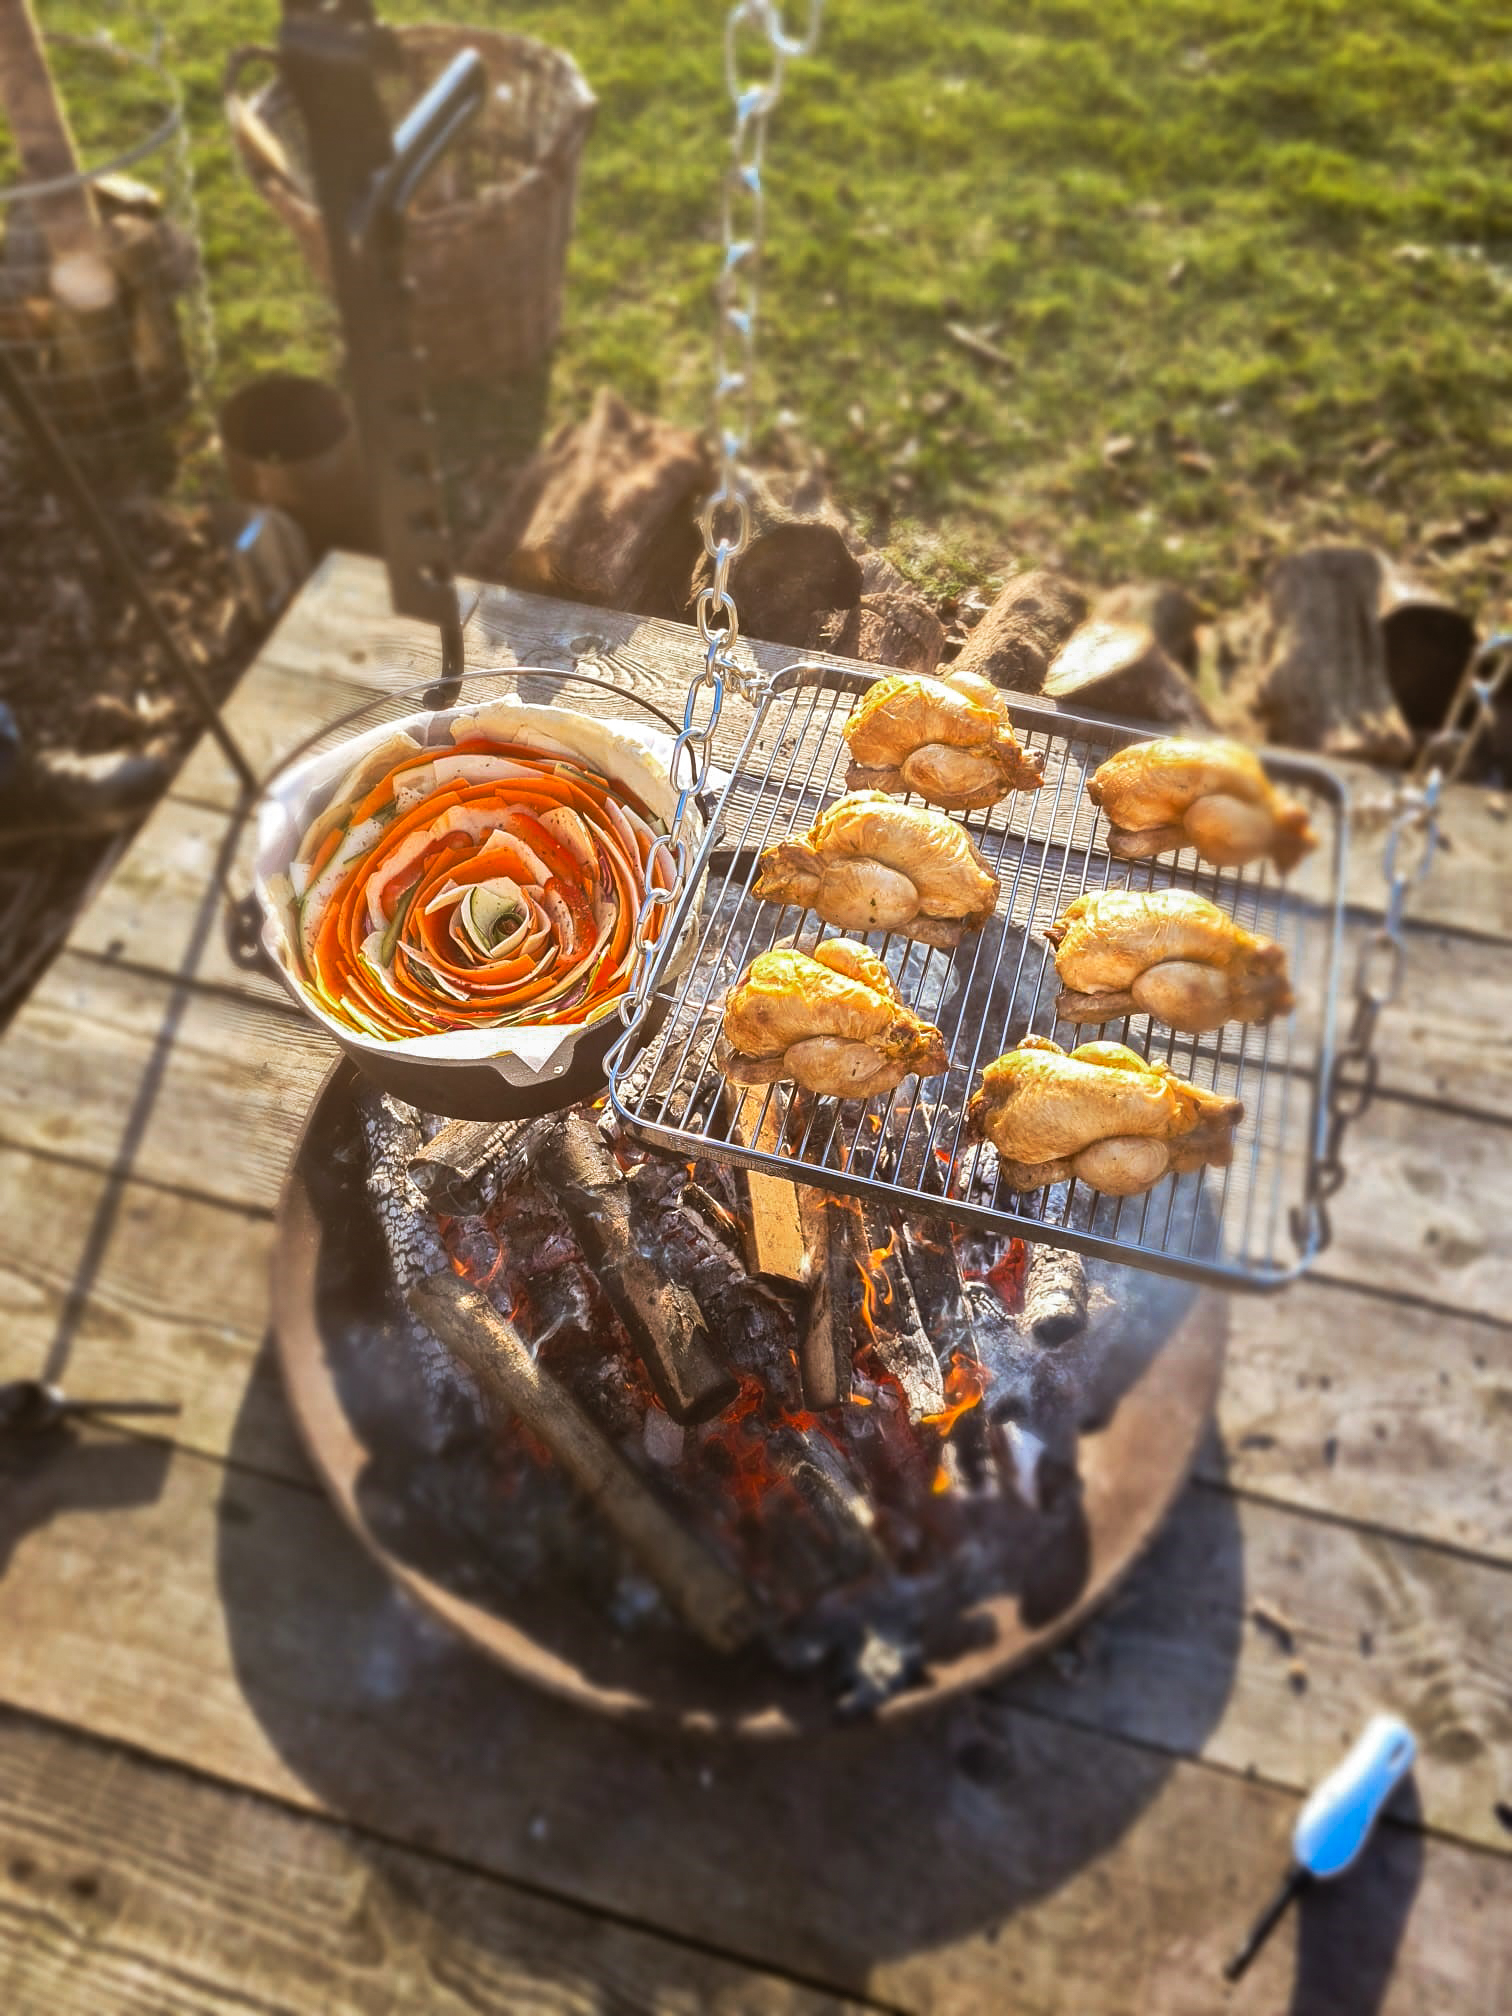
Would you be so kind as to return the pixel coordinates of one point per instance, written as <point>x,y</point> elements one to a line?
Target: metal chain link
<point>754,30</point>
<point>1411,844</point>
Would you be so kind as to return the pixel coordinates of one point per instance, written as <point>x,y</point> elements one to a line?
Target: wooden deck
<point>238,1773</point>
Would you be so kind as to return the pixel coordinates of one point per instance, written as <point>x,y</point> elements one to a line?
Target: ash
<point>866,1532</point>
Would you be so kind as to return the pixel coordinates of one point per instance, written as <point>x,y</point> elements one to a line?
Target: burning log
<point>466,1160</point>
<point>663,1320</point>
<point>814,1469</point>
<point>934,1272</point>
<point>891,1314</point>
<point>826,1344</point>
<point>705,1595</point>
<point>1055,1295</point>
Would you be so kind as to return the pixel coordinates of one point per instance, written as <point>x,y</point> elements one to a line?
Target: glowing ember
<point>966,1380</point>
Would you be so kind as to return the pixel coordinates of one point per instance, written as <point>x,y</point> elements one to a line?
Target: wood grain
<point>988,1853</point>
<point>122,1290</point>
<point>1349,1404</point>
<point>205,1092</point>
<point>130,1888</point>
<point>1376,1623</point>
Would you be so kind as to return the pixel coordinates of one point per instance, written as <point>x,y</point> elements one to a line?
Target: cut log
<point>790,575</point>
<point>891,1313</point>
<point>604,513</point>
<point>662,1318</point>
<point>1015,643</point>
<point>1120,668</point>
<point>468,1163</point>
<point>899,629</point>
<point>1172,615</point>
<point>1428,643</point>
<point>1055,1295</point>
<point>813,1467</point>
<point>705,1595</point>
<point>826,1343</point>
<point>1321,681</point>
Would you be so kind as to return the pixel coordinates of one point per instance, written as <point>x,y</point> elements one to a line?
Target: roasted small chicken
<point>949,739</point>
<point>1167,953</point>
<point>1101,1114</point>
<point>830,1019</point>
<point>871,864</point>
<point>1213,796</point>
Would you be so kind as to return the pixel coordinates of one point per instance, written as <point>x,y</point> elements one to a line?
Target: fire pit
<point>687,1485</point>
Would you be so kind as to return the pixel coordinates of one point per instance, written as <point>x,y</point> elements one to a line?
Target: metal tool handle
<point>1335,1823</point>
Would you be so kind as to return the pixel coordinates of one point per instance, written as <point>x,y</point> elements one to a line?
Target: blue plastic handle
<point>1335,1823</point>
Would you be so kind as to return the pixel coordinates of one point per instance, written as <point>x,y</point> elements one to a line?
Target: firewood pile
<point>1341,652</point>
<point>789,1425</point>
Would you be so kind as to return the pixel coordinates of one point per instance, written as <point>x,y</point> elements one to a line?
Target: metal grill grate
<point>1242,1226</point>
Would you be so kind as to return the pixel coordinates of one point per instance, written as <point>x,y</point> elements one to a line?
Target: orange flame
<point>873,1272</point>
<point>966,1381</point>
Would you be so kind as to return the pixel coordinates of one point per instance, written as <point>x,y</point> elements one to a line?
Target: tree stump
<point>1120,668</point>
<point>1322,681</point>
<point>896,628</point>
<point>795,572</point>
<point>1015,643</point>
<point>605,513</point>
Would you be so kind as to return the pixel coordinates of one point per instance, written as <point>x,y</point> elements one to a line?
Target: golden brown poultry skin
<point>869,863</point>
<point>947,739</point>
<point>1212,795</point>
<point>1103,1114</point>
<point>1169,953</point>
<point>831,1020</point>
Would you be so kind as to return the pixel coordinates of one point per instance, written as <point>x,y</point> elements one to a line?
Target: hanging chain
<point>754,30</point>
<point>1411,843</point>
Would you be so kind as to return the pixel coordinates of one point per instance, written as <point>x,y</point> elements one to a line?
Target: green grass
<point>1277,241</point>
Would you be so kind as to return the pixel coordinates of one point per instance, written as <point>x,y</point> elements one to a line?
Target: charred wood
<point>1055,1295</point>
<point>662,1318</point>
<point>901,1341</point>
<point>826,1343</point>
<point>709,1599</point>
<point>468,1162</point>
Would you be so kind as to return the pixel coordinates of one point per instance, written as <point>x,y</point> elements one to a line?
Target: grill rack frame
<point>790,1134</point>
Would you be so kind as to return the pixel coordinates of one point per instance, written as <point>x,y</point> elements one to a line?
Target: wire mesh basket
<point>486,245</point>
<point>1246,1225</point>
<point>103,309</point>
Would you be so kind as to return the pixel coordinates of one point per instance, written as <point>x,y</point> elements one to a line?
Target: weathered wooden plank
<point>344,612</point>
<point>1424,1209</point>
<point>338,644</point>
<point>988,1857</point>
<point>1352,1405</point>
<point>1334,1400</point>
<point>227,1081</point>
<point>122,1290</point>
<point>127,1887</point>
<point>202,1091</point>
<point>162,909</point>
<point>1374,1621</point>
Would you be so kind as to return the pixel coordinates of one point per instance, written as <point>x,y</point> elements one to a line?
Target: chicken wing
<point>830,1019</point>
<point>869,863</point>
<point>949,739</point>
<point>1213,796</point>
<point>1167,953</point>
<point>1102,1114</point>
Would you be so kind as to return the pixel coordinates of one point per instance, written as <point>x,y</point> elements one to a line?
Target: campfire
<point>785,1422</point>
